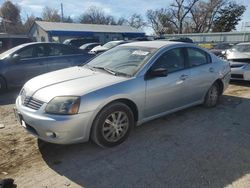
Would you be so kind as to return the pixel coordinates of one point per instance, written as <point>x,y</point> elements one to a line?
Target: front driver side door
<point>167,93</point>
<point>31,62</point>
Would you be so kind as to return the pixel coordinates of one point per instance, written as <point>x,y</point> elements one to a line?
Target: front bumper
<point>240,74</point>
<point>59,129</point>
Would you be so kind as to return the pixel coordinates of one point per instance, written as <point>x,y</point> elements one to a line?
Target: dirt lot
<point>197,147</point>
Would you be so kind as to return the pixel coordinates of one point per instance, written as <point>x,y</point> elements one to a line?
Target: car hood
<point>75,81</point>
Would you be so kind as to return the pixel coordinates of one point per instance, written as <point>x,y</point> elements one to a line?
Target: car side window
<point>26,53</point>
<point>197,57</point>
<point>40,51</point>
<point>172,60</point>
<point>54,50</point>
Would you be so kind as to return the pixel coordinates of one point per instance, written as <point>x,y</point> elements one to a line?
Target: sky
<point>117,8</point>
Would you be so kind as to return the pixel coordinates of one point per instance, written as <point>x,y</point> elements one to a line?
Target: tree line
<point>181,16</point>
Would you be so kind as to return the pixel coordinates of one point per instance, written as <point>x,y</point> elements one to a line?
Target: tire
<point>3,85</point>
<point>212,96</point>
<point>106,130</point>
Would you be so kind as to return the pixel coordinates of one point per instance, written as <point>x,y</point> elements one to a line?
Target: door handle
<point>211,69</point>
<point>183,77</point>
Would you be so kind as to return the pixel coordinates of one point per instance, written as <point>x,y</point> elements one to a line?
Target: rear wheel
<point>112,125</point>
<point>212,96</point>
<point>3,85</point>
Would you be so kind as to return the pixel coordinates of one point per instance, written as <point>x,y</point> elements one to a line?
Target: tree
<point>68,20</point>
<point>121,21</point>
<point>136,21</point>
<point>229,16</point>
<point>203,14</point>
<point>159,21</point>
<point>96,15</point>
<point>11,19</point>
<point>29,22</point>
<point>10,12</point>
<point>179,11</point>
<point>50,15</point>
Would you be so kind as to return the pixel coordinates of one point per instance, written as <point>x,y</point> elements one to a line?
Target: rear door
<point>32,62</point>
<point>202,73</point>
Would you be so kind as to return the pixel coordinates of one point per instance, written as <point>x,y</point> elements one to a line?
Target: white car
<point>239,58</point>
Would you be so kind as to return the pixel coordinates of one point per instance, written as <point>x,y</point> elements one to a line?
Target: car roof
<point>153,44</point>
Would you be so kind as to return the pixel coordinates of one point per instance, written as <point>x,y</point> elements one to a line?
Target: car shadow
<point>240,83</point>
<point>196,147</point>
<point>9,96</point>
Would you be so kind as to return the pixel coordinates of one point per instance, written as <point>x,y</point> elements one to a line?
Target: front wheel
<point>112,125</point>
<point>212,96</point>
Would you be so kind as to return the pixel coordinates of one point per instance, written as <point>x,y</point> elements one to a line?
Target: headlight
<point>247,67</point>
<point>64,105</point>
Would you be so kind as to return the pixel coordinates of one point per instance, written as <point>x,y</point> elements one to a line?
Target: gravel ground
<point>196,147</point>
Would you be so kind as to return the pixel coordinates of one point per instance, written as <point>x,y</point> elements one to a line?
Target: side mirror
<point>15,58</point>
<point>158,72</point>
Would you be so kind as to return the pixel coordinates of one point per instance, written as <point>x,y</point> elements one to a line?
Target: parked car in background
<point>107,46</point>
<point>206,45</point>
<point>122,87</point>
<point>77,42</point>
<point>217,49</point>
<point>89,46</point>
<point>25,61</point>
<point>8,41</point>
<point>239,58</point>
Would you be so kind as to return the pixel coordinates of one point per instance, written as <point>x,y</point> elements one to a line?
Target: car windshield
<point>242,48</point>
<point>109,45</point>
<point>124,60</point>
<point>10,51</point>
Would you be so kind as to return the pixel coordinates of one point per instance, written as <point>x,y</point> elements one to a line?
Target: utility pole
<point>61,12</point>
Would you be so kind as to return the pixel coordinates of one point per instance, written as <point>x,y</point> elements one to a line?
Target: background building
<point>58,32</point>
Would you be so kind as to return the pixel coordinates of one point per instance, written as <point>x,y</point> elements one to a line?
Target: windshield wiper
<point>115,73</point>
<point>88,66</point>
<point>106,69</point>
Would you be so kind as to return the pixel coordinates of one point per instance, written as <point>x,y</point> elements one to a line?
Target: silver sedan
<point>119,89</point>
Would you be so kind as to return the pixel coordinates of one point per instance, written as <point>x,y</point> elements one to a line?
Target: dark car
<point>77,42</point>
<point>25,61</point>
<point>8,41</point>
<point>89,46</point>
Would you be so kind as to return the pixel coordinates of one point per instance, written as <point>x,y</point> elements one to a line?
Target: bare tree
<point>50,15</point>
<point>121,21</point>
<point>159,21</point>
<point>204,13</point>
<point>179,11</point>
<point>136,21</point>
<point>96,15</point>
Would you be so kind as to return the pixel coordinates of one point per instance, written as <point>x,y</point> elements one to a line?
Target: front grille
<point>32,103</point>
<point>239,76</point>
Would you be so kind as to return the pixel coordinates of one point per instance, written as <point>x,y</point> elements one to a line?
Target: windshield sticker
<point>140,52</point>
